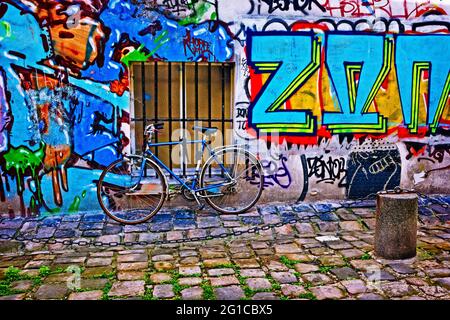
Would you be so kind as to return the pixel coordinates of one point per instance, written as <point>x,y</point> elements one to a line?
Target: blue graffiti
<point>411,59</point>
<point>95,136</point>
<point>346,55</point>
<point>29,51</point>
<point>292,59</point>
<point>125,19</point>
<point>357,64</point>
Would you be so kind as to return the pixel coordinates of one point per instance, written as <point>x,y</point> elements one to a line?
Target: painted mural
<point>328,83</point>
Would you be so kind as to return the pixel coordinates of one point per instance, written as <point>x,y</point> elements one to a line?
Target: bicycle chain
<point>292,221</point>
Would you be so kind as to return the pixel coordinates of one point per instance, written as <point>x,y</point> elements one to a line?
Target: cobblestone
<point>354,286</point>
<point>258,283</point>
<point>284,277</point>
<point>229,293</point>
<point>220,272</point>
<point>163,291</point>
<point>327,292</point>
<point>329,254</point>
<point>127,289</point>
<point>397,289</point>
<point>194,293</point>
<point>51,291</point>
<point>87,295</point>
<point>223,281</point>
<point>190,281</point>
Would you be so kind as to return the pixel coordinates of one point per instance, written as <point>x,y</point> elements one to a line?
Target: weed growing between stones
<point>208,292</point>
<point>308,295</point>
<point>111,276</point>
<point>325,269</point>
<point>362,224</point>
<point>423,254</point>
<point>177,288</point>
<point>366,256</point>
<point>289,262</point>
<point>13,274</point>
<point>291,265</point>
<point>106,290</point>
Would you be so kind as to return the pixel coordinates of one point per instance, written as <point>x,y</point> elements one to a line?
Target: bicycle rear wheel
<point>129,192</point>
<point>224,194</point>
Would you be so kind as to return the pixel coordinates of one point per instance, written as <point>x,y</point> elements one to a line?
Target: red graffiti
<point>196,46</point>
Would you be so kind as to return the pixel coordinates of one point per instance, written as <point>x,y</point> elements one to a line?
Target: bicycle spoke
<point>242,192</point>
<point>125,196</point>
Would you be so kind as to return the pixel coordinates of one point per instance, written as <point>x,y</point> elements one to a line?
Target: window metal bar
<point>144,108</point>
<point>183,114</point>
<point>155,82</point>
<point>196,135</point>
<point>205,116</point>
<point>169,89</point>
<point>209,102</point>
<point>222,67</point>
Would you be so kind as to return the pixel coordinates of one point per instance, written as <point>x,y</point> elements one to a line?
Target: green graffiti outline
<point>381,126</point>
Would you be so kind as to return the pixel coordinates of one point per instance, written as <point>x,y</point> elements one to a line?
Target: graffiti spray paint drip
<point>21,162</point>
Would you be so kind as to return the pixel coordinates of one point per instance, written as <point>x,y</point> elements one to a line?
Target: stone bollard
<point>396,225</point>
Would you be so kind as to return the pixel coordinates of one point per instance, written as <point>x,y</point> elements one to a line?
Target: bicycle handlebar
<point>153,127</point>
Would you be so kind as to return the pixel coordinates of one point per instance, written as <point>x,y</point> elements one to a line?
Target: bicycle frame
<point>191,187</point>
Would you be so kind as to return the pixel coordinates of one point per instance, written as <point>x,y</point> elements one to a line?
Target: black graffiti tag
<point>327,171</point>
<point>302,6</point>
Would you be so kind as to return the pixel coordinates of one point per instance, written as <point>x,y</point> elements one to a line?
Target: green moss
<point>227,266</point>
<point>289,262</point>
<point>306,285</point>
<point>44,271</point>
<point>325,269</point>
<point>366,256</point>
<point>13,274</point>
<point>308,295</point>
<point>5,289</point>
<point>208,292</point>
<point>423,254</point>
<point>148,294</point>
<point>106,290</point>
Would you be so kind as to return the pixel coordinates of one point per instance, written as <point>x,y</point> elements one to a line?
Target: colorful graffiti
<point>348,8</point>
<point>318,84</point>
<point>64,89</point>
<point>184,11</point>
<point>343,71</point>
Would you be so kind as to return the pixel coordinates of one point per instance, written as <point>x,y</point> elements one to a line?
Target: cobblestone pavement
<point>325,256</point>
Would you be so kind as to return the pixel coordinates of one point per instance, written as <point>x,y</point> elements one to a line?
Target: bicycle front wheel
<point>130,192</point>
<point>233,180</point>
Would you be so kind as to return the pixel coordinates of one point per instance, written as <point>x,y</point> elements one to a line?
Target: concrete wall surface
<point>347,97</point>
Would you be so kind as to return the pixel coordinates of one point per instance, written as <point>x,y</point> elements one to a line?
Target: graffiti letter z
<point>290,58</point>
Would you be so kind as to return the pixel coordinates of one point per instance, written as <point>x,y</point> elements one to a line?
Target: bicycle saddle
<point>205,130</point>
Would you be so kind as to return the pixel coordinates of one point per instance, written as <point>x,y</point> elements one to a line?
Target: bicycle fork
<point>201,206</point>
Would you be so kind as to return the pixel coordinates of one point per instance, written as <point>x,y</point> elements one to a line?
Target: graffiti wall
<point>340,98</point>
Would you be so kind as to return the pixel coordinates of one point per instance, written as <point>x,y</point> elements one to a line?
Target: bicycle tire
<point>259,185</point>
<point>108,205</point>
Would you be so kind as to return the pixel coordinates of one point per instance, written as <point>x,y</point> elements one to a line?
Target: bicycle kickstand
<point>201,206</point>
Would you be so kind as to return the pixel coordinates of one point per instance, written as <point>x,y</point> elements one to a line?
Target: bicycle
<point>133,189</point>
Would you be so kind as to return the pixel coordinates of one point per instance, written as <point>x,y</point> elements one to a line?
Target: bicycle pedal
<point>201,207</point>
